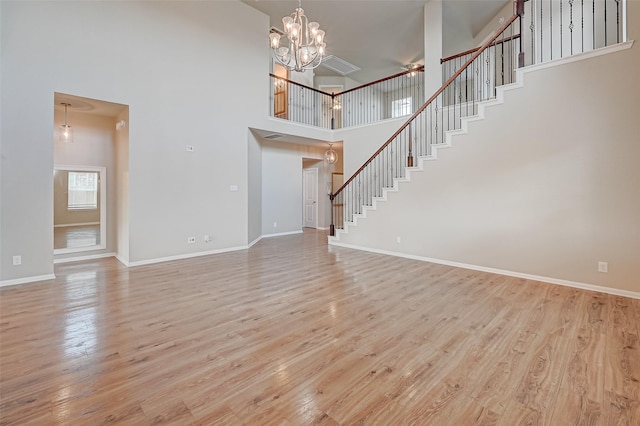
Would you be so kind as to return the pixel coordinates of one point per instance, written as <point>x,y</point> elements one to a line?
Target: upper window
<point>401,107</point>
<point>82,191</point>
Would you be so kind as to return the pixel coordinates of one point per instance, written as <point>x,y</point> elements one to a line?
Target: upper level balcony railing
<point>392,97</point>
<point>547,30</point>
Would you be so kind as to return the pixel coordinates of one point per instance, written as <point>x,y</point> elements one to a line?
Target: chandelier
<point>306,42</point>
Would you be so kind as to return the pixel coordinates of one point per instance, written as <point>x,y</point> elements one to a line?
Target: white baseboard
<point>66,225</point>
<point>80,258</point>
<point>566,283</point>
<point>122,260</point>
<point>281,234</point>
<point>184,256</point>
<point>27,280</point>
<point>257,240</point>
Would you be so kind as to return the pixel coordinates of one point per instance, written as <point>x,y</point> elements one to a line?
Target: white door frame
<point>102,173</point>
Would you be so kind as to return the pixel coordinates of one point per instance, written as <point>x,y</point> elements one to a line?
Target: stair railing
<point>390,97</point>
<point>493,64</point>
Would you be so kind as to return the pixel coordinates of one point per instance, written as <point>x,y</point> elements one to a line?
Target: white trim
<point>102,173</point>
<point>254,242</point>
<point>122,260</point>
<point>27,280</point>
<point>78,249</point>
<point>80,258</point>
<point>257,240</point>
<point>66,225</point>
<point>184,256</point>
<point>282,234</point>
<point>577,57</point>
<point>566,283</point>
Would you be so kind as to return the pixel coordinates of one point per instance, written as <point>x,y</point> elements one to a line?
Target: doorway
<point>90,178</point>
<point>310,197</point>
<point>79,208</point>
<point>280,92</point>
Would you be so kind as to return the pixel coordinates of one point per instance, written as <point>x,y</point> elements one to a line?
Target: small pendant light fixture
<point>66,131</point>
<point>331,156</point>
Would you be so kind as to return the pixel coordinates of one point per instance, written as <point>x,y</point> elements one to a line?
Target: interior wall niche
<point>88,177</point>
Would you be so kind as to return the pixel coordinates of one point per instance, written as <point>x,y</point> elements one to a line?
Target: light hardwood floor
<point>292,332</point>
<point>76,236</point>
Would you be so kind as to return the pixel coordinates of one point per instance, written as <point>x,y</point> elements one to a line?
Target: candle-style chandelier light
<point>306,42</point>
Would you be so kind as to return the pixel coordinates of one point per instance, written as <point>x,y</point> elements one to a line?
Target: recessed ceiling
<point>87,105</point>
<point>281,137</point>
<point>379,36</point>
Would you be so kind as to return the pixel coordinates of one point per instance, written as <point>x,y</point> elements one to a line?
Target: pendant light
<point>66,131</point>
<point>331,156</point>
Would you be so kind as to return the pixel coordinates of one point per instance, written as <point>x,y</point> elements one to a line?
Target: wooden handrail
<point>416,69</point>
<point>400,74</point>
<point>300,84</point>
<point>477,53</point>
<point>467,52</point>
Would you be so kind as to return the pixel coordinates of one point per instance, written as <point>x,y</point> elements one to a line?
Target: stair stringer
<point>464,129</point>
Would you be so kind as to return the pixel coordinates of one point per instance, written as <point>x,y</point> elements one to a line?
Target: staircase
<point>430,127</point>
<point>422,160</point>
<point>478,78</point>
<point>537,181</point>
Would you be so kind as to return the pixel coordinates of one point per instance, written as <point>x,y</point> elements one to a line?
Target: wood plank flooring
<point>293,332</point>
<point>76,236</point>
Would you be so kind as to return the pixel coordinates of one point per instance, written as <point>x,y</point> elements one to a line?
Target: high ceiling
<point>381,36</point>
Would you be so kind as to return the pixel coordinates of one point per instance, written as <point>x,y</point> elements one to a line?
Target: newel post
<point>520,12</point>
<point>332,227</point>
<point>333,114</point>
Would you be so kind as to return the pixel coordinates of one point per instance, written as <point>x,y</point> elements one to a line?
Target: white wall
<point>545,185</point>
<point>492,26</point>
<point>254,225</point>
<point>433,46</point>
<point>360,143</point>
<point>169,61</point>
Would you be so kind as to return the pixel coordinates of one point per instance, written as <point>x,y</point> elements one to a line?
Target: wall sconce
<point>120,124</point>
<point>66,131</point>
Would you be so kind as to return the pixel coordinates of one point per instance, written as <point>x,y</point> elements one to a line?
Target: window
<point>401,107</point>
<point>82,191</point>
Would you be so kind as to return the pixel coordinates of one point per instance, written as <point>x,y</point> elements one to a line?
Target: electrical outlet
<point>603,267</point>
<point>17,260</point>
<point>190,148</point>
<point>398,240</point>
<point>275,224</point>
<point>207,239</point>
<point>191,240</point>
